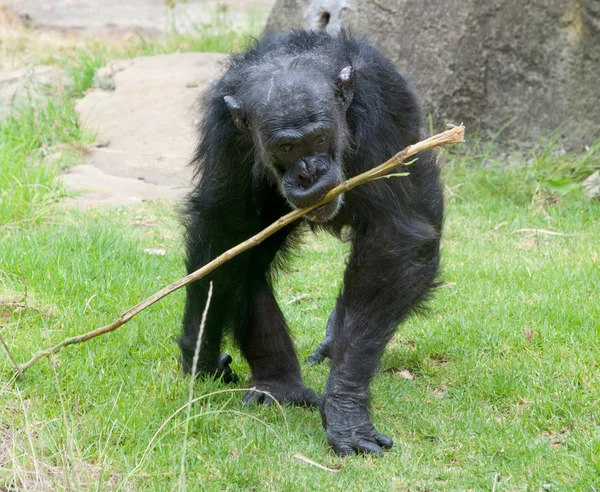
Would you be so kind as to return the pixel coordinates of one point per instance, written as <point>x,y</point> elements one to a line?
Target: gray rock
<point>535,65</point>
<point>95,187</point>
<point>26,82</point>
<point>591,186</point>
<point>145,127</point>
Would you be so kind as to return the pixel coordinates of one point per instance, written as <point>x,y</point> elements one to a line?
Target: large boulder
<point>532,65</point>
<point>144,114</point>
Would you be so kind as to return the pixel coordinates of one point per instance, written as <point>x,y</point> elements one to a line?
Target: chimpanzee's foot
<point>224,371</point>
<point>295,394</point>
<point>320,353</point>
<point>217,369</point>
<point>349,428</point>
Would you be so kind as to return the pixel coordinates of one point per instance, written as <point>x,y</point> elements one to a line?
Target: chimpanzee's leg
<point>391,269</point>
<point>269,349</point>
<point>210,361</point>
<point>322,351</point>
<point>205,241</point>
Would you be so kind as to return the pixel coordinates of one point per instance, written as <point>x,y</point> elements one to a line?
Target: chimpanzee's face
<point>303,159</point>
<point>298,125</point>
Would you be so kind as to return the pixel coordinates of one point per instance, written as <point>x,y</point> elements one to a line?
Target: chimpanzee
<point>291,118</point>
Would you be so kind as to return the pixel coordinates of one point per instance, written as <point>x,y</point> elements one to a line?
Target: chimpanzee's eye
<point>285,148</point>
<point>321,139</point>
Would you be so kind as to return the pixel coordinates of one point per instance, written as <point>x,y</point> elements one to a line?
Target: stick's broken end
<point>457,133</point>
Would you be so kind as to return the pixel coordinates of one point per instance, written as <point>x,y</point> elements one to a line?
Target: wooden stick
<point>454,135</point>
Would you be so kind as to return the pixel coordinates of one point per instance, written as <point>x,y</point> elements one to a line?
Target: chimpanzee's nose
<point>307,172</point>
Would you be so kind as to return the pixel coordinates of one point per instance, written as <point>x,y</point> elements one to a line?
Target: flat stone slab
<point>145,127</point>
<point>95,187</point>
<point>124,16</point>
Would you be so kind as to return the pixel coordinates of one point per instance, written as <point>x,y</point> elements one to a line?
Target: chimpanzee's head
<point>296,117</point>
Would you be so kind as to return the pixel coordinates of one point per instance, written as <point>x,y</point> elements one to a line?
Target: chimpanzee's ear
<point>239,118</point>
<point>345,86</point>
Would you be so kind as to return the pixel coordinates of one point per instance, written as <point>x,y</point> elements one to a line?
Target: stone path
<point>145,128</point>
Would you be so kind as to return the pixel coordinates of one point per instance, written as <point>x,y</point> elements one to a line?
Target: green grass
<point>35,143</point>
<point>505,395</point>
<point>505,362</point>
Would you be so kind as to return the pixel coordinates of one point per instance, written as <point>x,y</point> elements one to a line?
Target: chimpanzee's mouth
<point>300,197</point>
<point>326,211</point>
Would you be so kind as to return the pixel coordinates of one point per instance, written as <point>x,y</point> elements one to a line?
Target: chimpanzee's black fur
<point>394,224</point>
